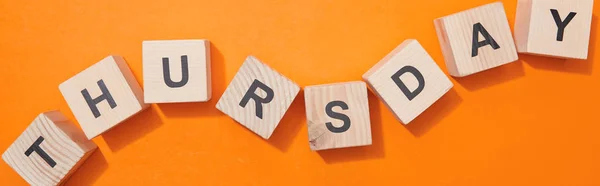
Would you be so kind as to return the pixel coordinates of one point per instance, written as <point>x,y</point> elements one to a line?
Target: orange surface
<point>532,122</point>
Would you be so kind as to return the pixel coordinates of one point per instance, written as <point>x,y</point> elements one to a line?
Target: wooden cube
<point>555,28</point>
<point>176,71</point>
<point>103,95</point>
<point>338,115</point>
<point>476,40</point>
<point>408,80</point>
<point>49,150</point>
<point>258,97</point>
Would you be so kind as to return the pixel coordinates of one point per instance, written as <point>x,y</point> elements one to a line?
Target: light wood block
<point>176,71</point>
<point>103,95</point>
<point>555,28</point>
<point>476,40</point>
<point>49,150</point>
<point>407,80</point>
<point>258,97</point>
<point>338,115</point>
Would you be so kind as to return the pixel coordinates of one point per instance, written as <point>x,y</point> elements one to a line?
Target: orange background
<point>532,122</point>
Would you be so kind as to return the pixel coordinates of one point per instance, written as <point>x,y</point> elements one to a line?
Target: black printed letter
<point>184,72</point>
<point>410,69</point>
<point>561,24</point>
<point>478,28</point>
<point>250,94</point>
<point>340,116</point>
<point>93,102</point>
<point>36,147</point>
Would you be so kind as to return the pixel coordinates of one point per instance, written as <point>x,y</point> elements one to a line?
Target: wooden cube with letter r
<point>407,80</point>
<point>49,150</point>
<point>258,97</point>
<point>476,40</point>
<point>103,95</point>
<point>338,115</point>
<point>555,28</point>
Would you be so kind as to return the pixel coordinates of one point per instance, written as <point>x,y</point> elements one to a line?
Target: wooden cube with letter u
<point>258,97</point>
<point>338,115</point>
<point>556,28</point>
<point>103,95</point>
<point>49,150</point>
<point>407,80</point>
<point>476,40</point>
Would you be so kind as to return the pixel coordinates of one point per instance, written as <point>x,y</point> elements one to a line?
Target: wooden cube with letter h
<point>338,115</point>
<point>49,150</point>
<point>555,28</point>
<point>103,95</point>
<point>258,97</point>
<point>176,71</point>
<point>476,40</point>
<point>407,80</point>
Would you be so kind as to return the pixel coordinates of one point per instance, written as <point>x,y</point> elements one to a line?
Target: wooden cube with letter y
<point>338,115</point>
<point>49,150</point>
<point>476,40</point>
<point>258,97</point>
<point>555,28</point>
<point>103,95</point>
<point>176,71</point>
<point>407,80</point>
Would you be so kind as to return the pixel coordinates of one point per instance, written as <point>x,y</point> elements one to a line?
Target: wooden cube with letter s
<point>258,97</point>
<point>555,28</point>
<point>476,40</point>
<point>338,115</point>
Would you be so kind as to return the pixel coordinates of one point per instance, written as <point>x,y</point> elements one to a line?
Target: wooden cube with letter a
<point>103,95</point>
<point>49,150</point>
<point>338,115</point>
<point>176,71</point>
<point>476,40</point>
<point>258,97</point>
<point>408,80</point>
<point>555,28</point>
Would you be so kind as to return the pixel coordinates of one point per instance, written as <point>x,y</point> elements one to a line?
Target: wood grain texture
<point>195,87</point>
<point>64,143</point>
<point>455,34</point>
<point>121,84</point>
<point>536,30</point>
<point>354,94</point>
<point>408,54</point>
<point>284,92</point>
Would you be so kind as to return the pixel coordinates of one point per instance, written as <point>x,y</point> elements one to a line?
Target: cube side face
<point>522,24</point>
<point>488,23</point>
<point>258,97</point>
<point>338,115</point>
<point>176,71</point>
<point>544,34</point>
<point>410,82</point>
<point>446,48</point>
<point>100,97</point>
<point>44,154</point>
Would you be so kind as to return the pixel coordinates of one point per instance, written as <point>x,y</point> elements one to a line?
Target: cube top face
<point>408,81</point>
<point>103,95</point>
<point>476,40</point>
<point>338,115</point>
<point>48,150</point>
<point>176,71</point>
<point>555,28</point>
<point>258,97</point>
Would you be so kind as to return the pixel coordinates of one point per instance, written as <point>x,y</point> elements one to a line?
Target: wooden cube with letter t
<point>476,40</point>
<point>408,80</point>
<point>103,95</point>
<point>176,71</point>
<point>258,97</point>
<point>49,150</point>
<point>555,28</point>
<point>338,115</point>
